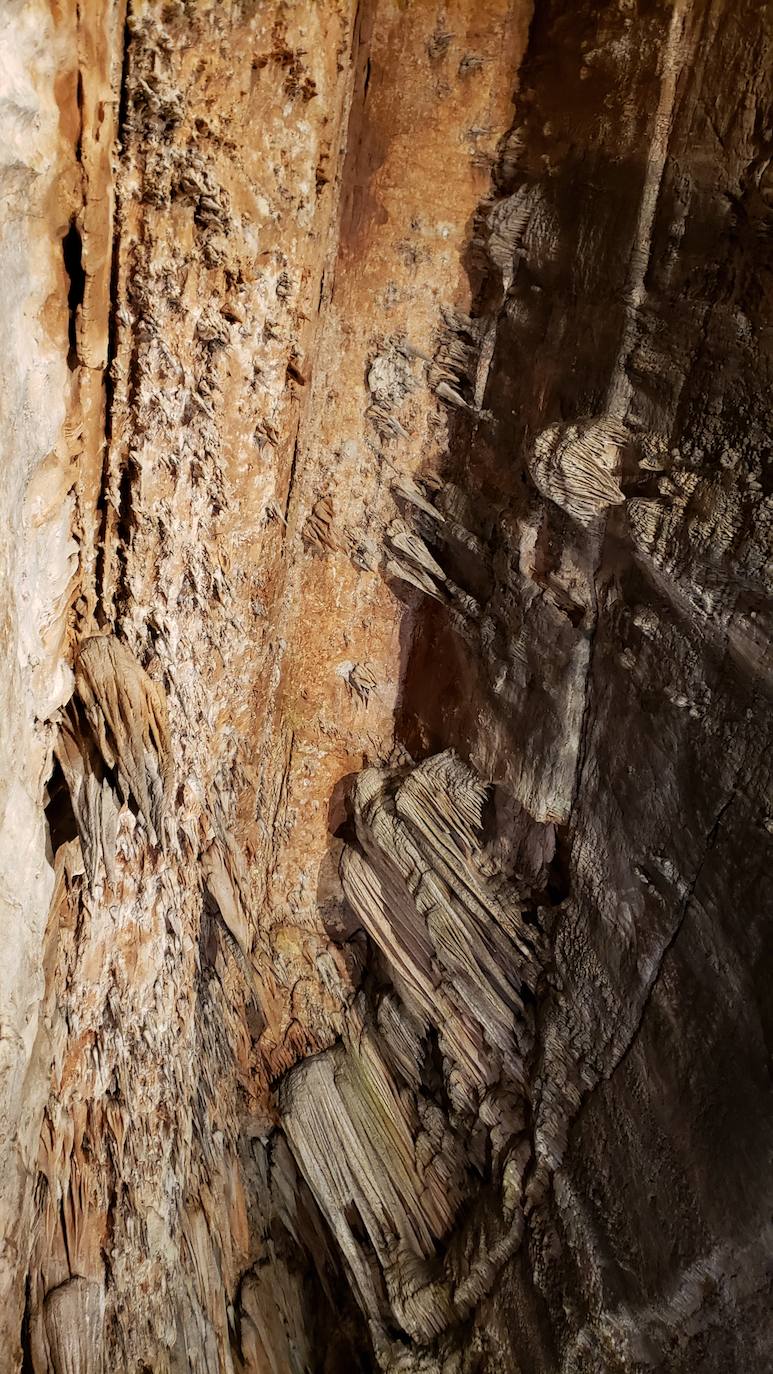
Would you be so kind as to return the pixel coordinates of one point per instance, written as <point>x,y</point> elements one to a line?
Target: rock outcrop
<point>385,810</point>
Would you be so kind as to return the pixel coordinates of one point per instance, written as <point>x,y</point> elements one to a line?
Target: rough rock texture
<point>386,822</point>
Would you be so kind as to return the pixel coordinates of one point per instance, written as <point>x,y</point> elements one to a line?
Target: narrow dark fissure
<point>72,254</point>
<point>112,341</point>
<point>60,817</point>
<point>27,1366</point>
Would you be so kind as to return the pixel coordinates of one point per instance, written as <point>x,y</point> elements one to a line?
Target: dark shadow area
<point>60,817</point>
<point>72,254</point>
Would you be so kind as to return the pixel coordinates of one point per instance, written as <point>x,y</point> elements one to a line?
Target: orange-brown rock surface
<point>385,813</point>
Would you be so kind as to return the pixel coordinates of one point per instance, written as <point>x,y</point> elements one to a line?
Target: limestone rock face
<point>385,809</point>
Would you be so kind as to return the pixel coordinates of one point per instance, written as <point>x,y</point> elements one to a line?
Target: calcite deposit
<point>385,768</point>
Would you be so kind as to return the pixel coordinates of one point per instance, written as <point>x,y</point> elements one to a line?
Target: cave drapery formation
<point>385,745</point>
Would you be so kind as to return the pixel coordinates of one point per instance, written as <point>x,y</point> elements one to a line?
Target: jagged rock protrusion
<point>127,715</point>
<point>73,1320</point>
<point>114,746</point>
<point>451,931</point>
<point>386,1125</point>
<point>384,1178</point>
<point>577,466</point>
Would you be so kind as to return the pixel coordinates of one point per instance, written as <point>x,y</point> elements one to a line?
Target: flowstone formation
<point>385,784</point>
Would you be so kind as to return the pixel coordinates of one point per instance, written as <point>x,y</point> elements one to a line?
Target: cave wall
<point>631,197</point>
<point>386,828</point>
<point>37,573</point>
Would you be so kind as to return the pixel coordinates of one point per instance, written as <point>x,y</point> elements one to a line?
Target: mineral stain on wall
<point>386,816</point>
